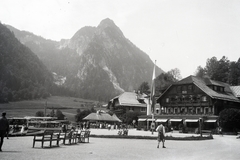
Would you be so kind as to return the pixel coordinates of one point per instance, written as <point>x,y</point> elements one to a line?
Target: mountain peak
<point>107,23</point>
<point>108,27</point>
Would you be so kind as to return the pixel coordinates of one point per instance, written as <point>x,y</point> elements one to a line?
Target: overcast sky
<point>177,33</point>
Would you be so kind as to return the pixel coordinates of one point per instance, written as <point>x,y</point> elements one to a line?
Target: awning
<point>191,120</point>
<point>151,120</point>
<point>141,119</point>
<point>175,120</point>
<point>210,120</point>
<point>161,120</point>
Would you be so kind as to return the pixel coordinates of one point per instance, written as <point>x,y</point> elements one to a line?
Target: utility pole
<point>45,109</point>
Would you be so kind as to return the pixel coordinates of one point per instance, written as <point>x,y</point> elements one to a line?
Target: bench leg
<point>42,143</point>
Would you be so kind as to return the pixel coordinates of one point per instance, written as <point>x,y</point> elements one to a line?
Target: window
<point>184,92</point>
<point>167,100</point>
<point>190,88</point>
<point>169,110</point>
<point>221,89</point>
<point>190,110</point>
<point>199,97</point>
<point>131,108</point>
<point>204,98</point>
<point>215,88</point>
<point>184,89</point>
<point>206,110</point>
<point>143,109</point>
<point>175,110</point>
<point>183,110</point>
<point>198,110</point>
<point>179,88</point>
<point>177,98</point>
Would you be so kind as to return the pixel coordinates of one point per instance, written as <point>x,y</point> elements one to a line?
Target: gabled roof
<point>236,90</point>
<point>101,116</point>
<point>130,99</point>
<point>203,84</point>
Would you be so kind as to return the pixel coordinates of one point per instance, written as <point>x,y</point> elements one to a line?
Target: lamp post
<point>200,126</point>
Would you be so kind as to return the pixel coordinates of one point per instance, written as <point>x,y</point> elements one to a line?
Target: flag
<point>153,89</point>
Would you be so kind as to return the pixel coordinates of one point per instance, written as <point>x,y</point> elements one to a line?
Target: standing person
<point>4,127</point>
<point>220,130</point>
<point>161,135</point>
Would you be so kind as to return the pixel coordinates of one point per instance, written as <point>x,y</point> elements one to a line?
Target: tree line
<point>222,70</point>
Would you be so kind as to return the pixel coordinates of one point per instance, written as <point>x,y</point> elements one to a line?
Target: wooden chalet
<point>192,101</point>
<point>127,102</point>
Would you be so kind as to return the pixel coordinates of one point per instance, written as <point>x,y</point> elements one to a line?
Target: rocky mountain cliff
<point>97,62</point>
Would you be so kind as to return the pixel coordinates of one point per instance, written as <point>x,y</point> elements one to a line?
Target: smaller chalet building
<point>128,101</point>
<point>192,101</point>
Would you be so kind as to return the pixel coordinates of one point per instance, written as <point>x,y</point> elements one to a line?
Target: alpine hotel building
<point>192,101</point>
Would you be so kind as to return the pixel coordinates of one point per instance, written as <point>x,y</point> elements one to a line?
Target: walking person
<point>4,128</point>
<point>161,135</point>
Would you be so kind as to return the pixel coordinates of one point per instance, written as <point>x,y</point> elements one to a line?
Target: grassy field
<point>68,105</point>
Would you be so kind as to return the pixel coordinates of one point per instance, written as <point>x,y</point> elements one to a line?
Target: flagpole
<point>153,97</point>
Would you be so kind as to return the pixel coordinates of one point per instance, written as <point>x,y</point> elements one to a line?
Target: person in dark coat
<point>4,128</point>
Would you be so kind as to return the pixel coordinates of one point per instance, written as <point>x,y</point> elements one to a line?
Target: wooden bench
<point>70,136</point>
<point>207,133</point>
<point>47,136</point>
<point>83,136</point>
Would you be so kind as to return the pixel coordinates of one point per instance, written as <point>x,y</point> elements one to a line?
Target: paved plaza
<point>220,148</point>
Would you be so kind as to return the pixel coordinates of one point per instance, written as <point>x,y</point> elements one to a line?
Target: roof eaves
<point>202,89</point>
<point>227,99</point>
<point>165,91</point>
<point>133,105</point>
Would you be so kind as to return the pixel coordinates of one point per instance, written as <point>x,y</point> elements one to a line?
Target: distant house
<point>128,101</point>
<point>195,99</point>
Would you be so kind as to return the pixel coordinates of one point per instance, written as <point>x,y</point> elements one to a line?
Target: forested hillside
<point>22,74</point>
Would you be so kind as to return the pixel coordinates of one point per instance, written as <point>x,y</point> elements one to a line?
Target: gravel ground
<point>220,148</point>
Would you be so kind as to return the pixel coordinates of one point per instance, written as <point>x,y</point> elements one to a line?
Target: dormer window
<point>221,89</point>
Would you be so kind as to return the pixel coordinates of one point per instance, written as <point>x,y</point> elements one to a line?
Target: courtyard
<point>221,147</point>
